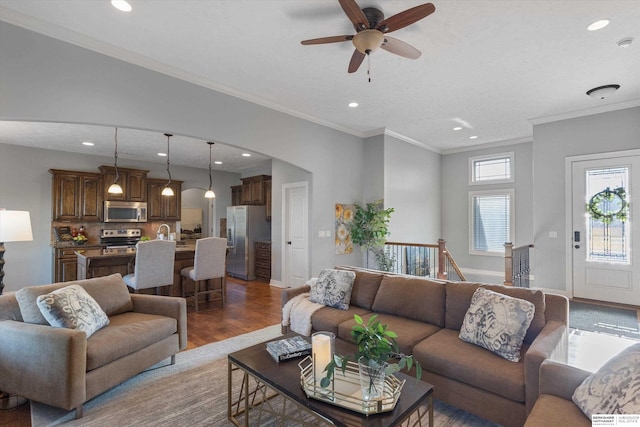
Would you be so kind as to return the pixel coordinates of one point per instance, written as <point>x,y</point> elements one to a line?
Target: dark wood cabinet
<point>236,195</point>
<point>76,196</point>
<point>267,197</point>
<point>65,265</point>
<point>161,207</point>
<point>132,181</point>
<point>263,260</point>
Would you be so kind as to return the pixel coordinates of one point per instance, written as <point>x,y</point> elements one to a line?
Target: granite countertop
<point>95,253</point>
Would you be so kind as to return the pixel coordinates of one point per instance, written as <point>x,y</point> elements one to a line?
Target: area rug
<point>599,318</point>
<point>193,392</point>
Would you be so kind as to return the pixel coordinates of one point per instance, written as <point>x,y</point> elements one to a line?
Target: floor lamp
<point>15,226</point>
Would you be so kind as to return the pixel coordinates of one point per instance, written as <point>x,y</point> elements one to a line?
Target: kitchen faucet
<point>160,236</point>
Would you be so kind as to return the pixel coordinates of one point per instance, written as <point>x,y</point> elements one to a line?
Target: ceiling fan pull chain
<point>369,67</point>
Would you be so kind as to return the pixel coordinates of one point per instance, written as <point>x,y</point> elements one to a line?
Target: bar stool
<point>154,265</point>
<point>209,263</point>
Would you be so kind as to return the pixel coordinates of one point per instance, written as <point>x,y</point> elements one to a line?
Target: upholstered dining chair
<point>153,265</point>
<point>209,263</point>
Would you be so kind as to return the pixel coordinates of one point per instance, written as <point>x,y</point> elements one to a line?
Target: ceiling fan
<point>372,29</point>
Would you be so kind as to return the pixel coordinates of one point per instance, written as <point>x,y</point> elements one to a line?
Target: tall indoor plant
<point>377,355</point>
<point>370,229</point>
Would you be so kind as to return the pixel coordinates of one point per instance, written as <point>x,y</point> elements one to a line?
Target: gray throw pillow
<point>333,288</point>
<point>72,307</point>
<point>497,322</point>
<point>615,388</point>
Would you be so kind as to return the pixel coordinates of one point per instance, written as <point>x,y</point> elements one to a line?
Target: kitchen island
<point>98,262</point>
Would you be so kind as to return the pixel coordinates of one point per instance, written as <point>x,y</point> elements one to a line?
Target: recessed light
<point>121,5</point>
<point>353,104</point>
<point>598,25</point>
<point>246,155</point>
<point>473,137</point>
<point>162,154</point>
<point>218,162</point>
<point>457,128</point>
<point>88,144</point>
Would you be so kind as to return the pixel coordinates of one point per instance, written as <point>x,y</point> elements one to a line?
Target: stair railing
<point>422,259</point>
<point>517,267</point>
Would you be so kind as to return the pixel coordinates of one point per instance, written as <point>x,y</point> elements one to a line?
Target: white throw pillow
<point>615,388</point>
<point>333,288</point>
<point>497,322</point>
<point>72,307</point>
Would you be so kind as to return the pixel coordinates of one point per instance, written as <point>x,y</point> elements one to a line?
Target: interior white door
<point>296,235</point>
<point>606,233</point>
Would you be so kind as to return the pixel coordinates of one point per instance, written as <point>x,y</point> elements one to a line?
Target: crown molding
<point>585,112</point>
<point>493,144</point>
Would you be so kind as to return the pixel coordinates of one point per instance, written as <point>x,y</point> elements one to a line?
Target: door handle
<point>289,242</point>
<point>577,246</point>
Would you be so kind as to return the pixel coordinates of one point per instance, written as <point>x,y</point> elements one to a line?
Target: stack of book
<point>289,348</point>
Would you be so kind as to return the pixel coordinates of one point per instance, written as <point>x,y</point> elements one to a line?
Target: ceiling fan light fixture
<point>602,92</point>
<point>368,41</point>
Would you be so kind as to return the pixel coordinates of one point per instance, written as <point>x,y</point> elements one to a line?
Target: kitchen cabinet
<point>253,189</point>
<point>263,260</point>
<point>236,195</point>
<point>161,207</point>
<point>267,197</point>
<point>65,265</point>
<point>76,196</point>
<point>132,181</point>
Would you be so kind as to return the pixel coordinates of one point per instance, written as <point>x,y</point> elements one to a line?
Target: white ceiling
<point>493,67</point>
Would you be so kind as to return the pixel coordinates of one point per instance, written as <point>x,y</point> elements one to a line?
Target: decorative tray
<point>345,390</point>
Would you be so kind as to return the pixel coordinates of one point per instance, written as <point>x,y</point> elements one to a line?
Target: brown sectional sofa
<point>427,315</point>
<point>61,367</point>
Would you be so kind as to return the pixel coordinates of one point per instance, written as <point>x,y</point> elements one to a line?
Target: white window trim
<point>512,232</point>
<point>472,160</point>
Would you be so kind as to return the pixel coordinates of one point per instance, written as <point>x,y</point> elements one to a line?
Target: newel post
<point>508,264</point>
<point>442,250</point>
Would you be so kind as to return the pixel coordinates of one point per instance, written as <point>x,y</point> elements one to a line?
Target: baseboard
<point>277,284</point>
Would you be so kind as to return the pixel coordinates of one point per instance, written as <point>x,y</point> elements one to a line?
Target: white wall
<point>553,142</point>
<point>373,182</point>
<point>455,209</point>
<point>412,188</point>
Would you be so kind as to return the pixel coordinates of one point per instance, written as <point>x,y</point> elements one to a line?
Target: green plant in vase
<point>377,355</point>
<point>370,229</point>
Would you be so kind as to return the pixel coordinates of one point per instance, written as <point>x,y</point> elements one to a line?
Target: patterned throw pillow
<point>615,388</point>
<point>333,288</point>
<point>72,307</point>
<point>497,322</point>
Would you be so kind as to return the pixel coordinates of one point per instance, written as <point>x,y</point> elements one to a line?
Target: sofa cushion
<point>328,318</point>
<point>445,354</point>
<point>614,388</point>
<point>110,292</point>
<point>365,287</point>
<point>333,288</point>
<point>497,322</point>
<point>459,296</point>
<point>73,308</point>
<point>410,332</point>
<point>552,410</point>
<point>126,334</point>
<point>414,298</point>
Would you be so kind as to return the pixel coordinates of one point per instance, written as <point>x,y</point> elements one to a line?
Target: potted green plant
<point>370,229</point>
<point>377,355</point>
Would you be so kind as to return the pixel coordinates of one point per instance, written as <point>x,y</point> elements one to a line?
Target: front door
<point>606,233</point>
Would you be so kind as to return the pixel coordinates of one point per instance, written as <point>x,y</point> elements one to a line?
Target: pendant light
<point>210,194</point>
<point>168,191</point>
<point>115,187</point>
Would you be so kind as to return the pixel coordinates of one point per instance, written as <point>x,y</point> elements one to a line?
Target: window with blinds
<point>492,169</point>
<point>491,221</point>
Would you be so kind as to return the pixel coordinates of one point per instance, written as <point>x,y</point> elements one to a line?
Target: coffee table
<point>263,379</point>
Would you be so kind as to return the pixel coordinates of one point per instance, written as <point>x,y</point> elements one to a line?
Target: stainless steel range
<point>122,239</point>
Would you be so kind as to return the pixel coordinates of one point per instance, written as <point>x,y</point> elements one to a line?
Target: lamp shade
<point>167,191</point>
<point>210,194</point>
<point>114,189</point>
<point>15,226</point>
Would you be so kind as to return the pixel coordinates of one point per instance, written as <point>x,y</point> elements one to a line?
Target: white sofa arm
<point>42,363</point>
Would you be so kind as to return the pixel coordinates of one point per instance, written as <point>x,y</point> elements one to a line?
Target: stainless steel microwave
<point>125,211</point>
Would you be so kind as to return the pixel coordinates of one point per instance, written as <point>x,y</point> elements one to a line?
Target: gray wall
<point>43,79</point>
<point>455,208</point>
<point>373,183</point>
<point>600,133</point>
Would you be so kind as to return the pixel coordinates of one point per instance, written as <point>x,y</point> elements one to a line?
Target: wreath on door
<point>608,205</point>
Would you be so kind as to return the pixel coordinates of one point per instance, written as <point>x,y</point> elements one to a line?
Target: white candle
<point>322,353</point>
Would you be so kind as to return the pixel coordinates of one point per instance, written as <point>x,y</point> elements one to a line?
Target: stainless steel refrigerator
<point>245,226</point>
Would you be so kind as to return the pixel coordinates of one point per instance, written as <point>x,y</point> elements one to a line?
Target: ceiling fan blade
<point>323,40</point>
<point>355,14</point>
<point>405,18</point>
<point>356,60</point>
<point>400,48</point>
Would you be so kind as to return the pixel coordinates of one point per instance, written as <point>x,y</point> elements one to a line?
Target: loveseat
<point>427,315</point>
<point>61,367</point>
